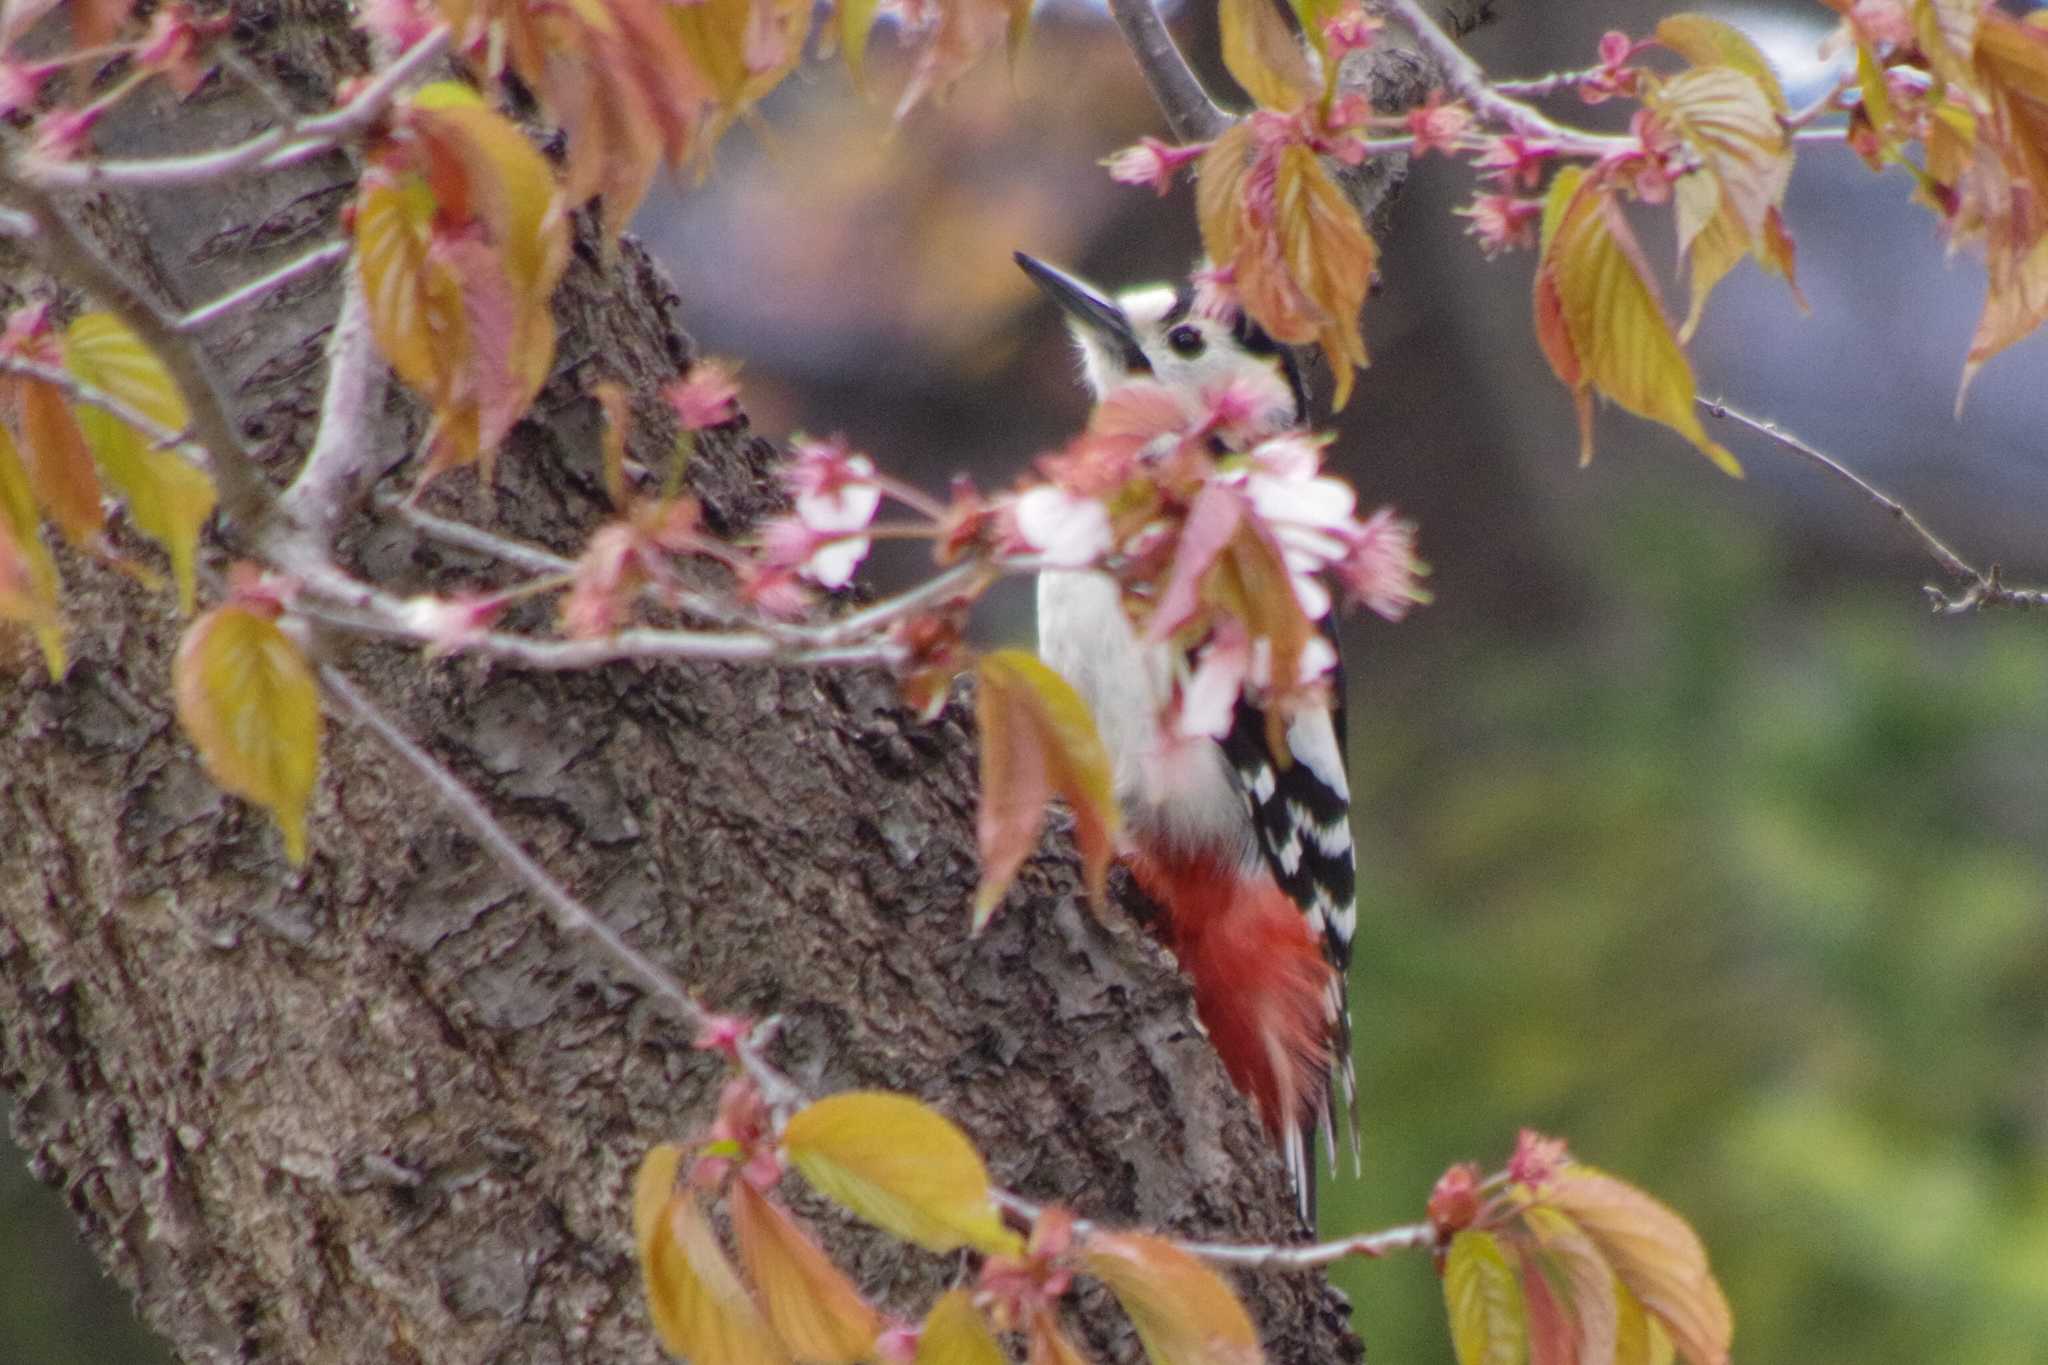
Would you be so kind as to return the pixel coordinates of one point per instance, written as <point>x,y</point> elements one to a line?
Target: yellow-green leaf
<point>954,1333</point>
<point>810,1303</point>
<point>1585,1278</point>
<point>414,304</point>
<point>1037,740</point>
<point>1612,316</point>
<point>168,499</point>
<point>701,1310</point>
<point>1484,1298</point>
<point>247,699</point>
<point>1655,1253</point>
<point>1263,56</point>
<point>1706,41</point>
<point>856,22</point>
<point>900,1165</point>
<point>1639,1339</point>
<point>29,587</point>
<point>1184,1312</point>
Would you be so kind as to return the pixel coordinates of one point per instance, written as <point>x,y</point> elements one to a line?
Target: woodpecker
<point>1247,852</point>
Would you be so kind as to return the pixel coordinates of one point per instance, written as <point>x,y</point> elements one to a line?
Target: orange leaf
<point>955,1334</point>
<point>1618,332</point>
<point>59,462</point>
<point>812,1306</point>
<point>902,1166</point>
<point>1184,1312</point>
<point>1263,56</point>
<point>1037,740</point>
<point>414,302</point>
<point>1586,1278</point>
<point>1484,1298</point>
<point>701,1310</point>
<point>1251,582</point>
<point>29,587</point>
<point>247,699</point>
<point>1655,1253</point>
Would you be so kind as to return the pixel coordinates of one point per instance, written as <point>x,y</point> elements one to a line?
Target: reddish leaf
<point>1184,1312</point>
<point>812,1306</point>
<point>1551,1338</point>
<point>901,1165</point>
<point>1655,1253</point>
<point>1585,1277</point>
<point>59,463</point>
<point>1037,741</point>
<point>247,700</point>
<point>1330,257</point>
<point>1210,526</point>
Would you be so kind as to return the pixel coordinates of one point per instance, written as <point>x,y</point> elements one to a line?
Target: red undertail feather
<point>1262,986</point>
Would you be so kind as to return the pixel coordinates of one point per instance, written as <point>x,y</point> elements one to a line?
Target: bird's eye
<point>1186,341</point>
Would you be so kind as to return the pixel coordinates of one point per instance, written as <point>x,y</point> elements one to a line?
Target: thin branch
<point>570,914</point>
<point>466,537</point>
<point>1985,589</point>
<point>275,148</point>
<point>316,259</point>
<point>1190,114</point>
<point>1468,82</point>
<point>338,467</point>
<point>1258,1255</point>
<point>65,253</point>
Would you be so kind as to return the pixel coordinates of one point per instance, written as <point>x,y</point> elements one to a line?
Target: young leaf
<point>1655,1253</point>
<point>1184,1312</point>
<point>1484,1298</point>
<point>1037,740</point>
<point>1585,1277</point>
<point>1639,1339</point>
<point>1551,1338</point>
<point>168,499</point>
<point>902,1166</point>
<point>811,1305</point>
<point>701,1310</point>
<point>59,463</point>
<point>1620,341</point>
<point>28,574</point>
<point>1263,56</point>
<point>955,1334</point>
<point>1706,41</point>
<point>414,303</point>
<point>1330,255</point>
<point>247,699</point>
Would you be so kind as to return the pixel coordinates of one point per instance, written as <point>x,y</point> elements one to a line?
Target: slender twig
<point>466,537</point>
<point>338,466</point>
<point>273,149</point>
<point>1261,1256</point>
<point>1190,114</point>
<point>1541,87</point>
<point>316,259</point>
<point>66,254</point>
<point>1468,82</point>
<point>570,914</point>
<point>1984,590</point>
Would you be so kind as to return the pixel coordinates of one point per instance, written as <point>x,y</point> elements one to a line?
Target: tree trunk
<point>381,1108</point>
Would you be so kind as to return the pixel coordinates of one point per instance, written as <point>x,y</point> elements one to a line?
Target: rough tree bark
<point>380,1109</point>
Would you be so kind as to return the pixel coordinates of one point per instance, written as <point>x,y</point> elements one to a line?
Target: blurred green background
<point>1687,833</point>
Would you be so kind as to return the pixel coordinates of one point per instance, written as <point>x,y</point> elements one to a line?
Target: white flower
<point>1070,532</point>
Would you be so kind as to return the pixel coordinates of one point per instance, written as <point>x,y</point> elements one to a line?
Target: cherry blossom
<point>1151,162</point>
<point>708,396</point>
<point>1068,532</point>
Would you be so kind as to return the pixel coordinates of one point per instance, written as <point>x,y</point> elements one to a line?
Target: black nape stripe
<point>1254,339</point>
<point>1183,304</point>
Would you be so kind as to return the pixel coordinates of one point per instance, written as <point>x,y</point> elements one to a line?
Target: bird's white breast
<point>1176,790</point>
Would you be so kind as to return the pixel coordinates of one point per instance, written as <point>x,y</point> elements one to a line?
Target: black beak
<point>1086,305</point>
